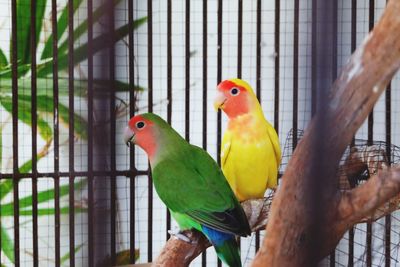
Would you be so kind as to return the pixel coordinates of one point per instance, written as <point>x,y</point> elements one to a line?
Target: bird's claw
<point>180,235</point>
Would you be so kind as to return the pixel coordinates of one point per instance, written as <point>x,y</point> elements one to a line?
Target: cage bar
<point>295,72</point>
<point>14,63</point>
<point>258,84</point>
<point>113,117</point>
<point>353,44</point>
<point>34,134</point>
<point>204,106</point>
<point>240,37</point>
<point>370,140</point>
<point>277,63</point>
<point>169,89</point>
<point>219,78</point>
<point>56,134</point>
<point>150,107</point>
<point>332,257</point>
<point>132,169</point>
<point>71,160</point>
<point>314,58</point>
<point>91,243</point>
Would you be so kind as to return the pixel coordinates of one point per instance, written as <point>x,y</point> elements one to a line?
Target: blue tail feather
<point>225,245</point>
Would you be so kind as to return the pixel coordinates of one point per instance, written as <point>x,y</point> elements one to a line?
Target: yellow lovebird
<point>250,151</point>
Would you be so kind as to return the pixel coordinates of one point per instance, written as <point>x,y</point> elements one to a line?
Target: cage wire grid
<point>106,202</point>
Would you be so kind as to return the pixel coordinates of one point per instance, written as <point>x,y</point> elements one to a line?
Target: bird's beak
<point>129,136</point>
<point>219,100</point>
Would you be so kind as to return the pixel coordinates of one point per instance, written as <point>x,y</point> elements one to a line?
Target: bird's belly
<point>185,222</point>
<point>251,168</point>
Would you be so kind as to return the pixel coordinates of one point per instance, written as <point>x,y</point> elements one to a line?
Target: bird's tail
<point>225,245</point>
<point>229,253</point>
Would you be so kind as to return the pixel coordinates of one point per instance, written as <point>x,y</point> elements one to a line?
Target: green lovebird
<point>191,185</point>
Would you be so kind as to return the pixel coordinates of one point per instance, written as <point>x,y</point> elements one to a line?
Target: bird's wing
<point>275,143</point>
<point>195,186</point>
<point>225,147</point>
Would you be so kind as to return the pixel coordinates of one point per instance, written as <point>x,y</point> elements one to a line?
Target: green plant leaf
<point>7,245</point>
<point>7,185</point>
<point>5,188</point>
<point>45,104</point>
<point>66,256</point>
<point>25,115</point>
<point>62,24</point>
<point>24,53</point>
<point>42,197</point>
<point>21,69</point>
<point>1,145</point>
<point>81,53</point>
<point>3,60</point>
<point>80,86</point>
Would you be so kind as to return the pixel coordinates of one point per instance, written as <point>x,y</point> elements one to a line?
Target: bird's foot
<point>180,235</point>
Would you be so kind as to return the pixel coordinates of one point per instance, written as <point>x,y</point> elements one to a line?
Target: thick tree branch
<point>304,223</point>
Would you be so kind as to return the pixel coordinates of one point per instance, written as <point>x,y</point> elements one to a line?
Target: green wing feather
<point>190,182</point>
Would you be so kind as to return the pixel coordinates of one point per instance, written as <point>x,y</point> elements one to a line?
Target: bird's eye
<point>140,124</point>
<point>234,91</point>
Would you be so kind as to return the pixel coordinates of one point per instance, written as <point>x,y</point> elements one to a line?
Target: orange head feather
<point>235,97</point>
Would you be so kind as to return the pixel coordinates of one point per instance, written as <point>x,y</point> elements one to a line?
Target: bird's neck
<point>167,146</point>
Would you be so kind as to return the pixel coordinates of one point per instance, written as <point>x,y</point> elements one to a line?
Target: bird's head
<point>235,97</point>
<point>142,130</point>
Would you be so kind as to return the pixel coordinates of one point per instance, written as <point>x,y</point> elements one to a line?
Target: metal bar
<point>91,260</point>
<point>34,135</point>
<point>388,124</point>
<point>371,114</point>
<point>388,128</point>
<point>370,140</point>
<point>71,136</point>
<point>132,169</point>
<point>239,57</point>
<point>56,133</point>
<point>240,37</point>
<point>187,70</point>
<point>258,81</point>
<point>169,87</point>
<point>219,77</point>
<point>295,72</point>
<point>150,107</point>
<point>314,58</point>
<point>277,63</point>
<point>205,102</point>
<point>14,67</point>
<point>353,48</point>
<point>113,178</point>
<point>74,173</point>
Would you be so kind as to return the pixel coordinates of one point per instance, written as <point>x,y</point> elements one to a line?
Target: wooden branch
<point>178,253</point>
<point>304,221</point>
<point>362,201</point>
